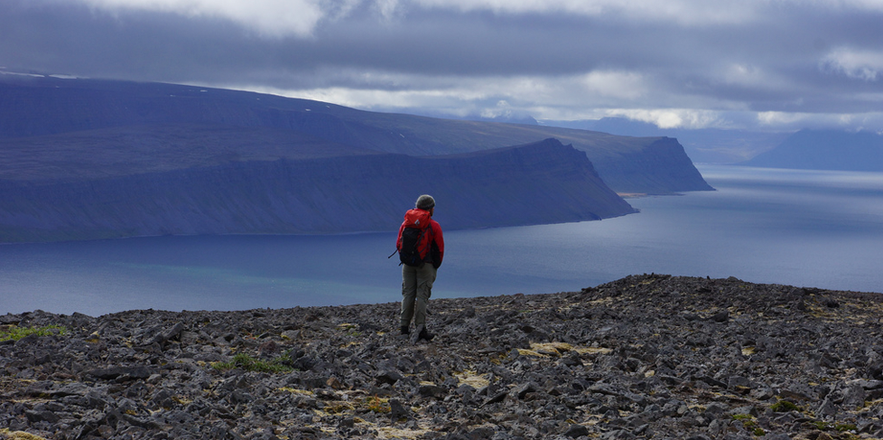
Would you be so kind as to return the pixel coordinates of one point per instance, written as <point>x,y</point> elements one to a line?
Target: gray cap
<point>425,202</point>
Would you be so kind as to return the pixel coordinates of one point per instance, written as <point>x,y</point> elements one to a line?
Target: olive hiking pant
<point>416,290</point>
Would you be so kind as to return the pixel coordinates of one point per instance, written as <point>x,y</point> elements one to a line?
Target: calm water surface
<point>804,228</point>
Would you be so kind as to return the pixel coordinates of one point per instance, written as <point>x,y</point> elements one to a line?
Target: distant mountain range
<point>84,159</point>
<point>706,145</point>
<point>805,149</point>
<point>825,150</point>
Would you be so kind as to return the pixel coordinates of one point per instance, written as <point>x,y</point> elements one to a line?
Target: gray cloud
<point>743,63</point>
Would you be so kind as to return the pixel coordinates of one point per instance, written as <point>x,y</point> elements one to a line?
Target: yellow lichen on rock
<point>296,391</point>
<point>472,379</point>
<point>336,407</point>
<point>526,352</point>
<point>385,432</point>
<point>557,349</point>
<point>594,350</point>
<point>6,434</point>
<point>93,338</point>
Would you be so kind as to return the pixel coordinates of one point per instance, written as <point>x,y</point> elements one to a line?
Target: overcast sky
<point>759,64</point>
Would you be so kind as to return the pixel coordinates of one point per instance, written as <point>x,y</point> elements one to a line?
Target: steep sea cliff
<point>545,182</point>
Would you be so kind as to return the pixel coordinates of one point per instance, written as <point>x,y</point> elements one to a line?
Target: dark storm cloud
<point>687,65</point>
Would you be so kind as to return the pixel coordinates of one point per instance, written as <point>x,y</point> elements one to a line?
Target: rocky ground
<point>649,356</point>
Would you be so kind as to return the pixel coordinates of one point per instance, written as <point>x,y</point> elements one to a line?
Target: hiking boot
<point>425,335</point>
<point>406,330</point>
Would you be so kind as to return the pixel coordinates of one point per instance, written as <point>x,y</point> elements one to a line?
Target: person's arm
<point>439,241</point>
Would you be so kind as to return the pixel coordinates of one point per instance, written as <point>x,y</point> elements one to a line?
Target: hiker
<point>421,247</point>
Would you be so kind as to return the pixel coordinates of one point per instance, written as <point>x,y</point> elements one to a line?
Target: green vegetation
<point>747,421</point>
<point>15,332</point>
<point>839,427</point>
<point>279,364</point>
<point>843,427</point>
<point>784,406</point>
<point>350,329</point>
<point>750,424</point>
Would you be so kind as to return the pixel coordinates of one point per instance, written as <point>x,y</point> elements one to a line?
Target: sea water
<point>804,228</point>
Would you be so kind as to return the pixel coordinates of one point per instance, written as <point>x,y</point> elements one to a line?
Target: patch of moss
<point>747,421</point>
<point>15,332</point>
<point>784,406</point>
<point>248,363</point>
<point>843,427</point>
<point>350,329</point>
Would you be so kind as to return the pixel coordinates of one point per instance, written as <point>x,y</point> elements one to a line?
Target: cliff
<point>543,182</point>
<point>46,106</point>
<point>658,167</point>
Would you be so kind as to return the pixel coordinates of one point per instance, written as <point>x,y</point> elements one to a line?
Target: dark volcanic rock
<point>648,356</point>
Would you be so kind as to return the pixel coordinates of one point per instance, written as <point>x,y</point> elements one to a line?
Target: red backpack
<point>413,246</point>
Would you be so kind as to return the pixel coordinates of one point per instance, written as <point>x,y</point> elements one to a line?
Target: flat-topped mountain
<point>88,159</point>
<point>41,106</point>
<point>138,149</point>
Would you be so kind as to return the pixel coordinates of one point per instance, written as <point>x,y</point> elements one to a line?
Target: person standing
<point>419,271</point>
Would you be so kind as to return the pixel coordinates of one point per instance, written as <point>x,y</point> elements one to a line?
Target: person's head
<point>425,202</point>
